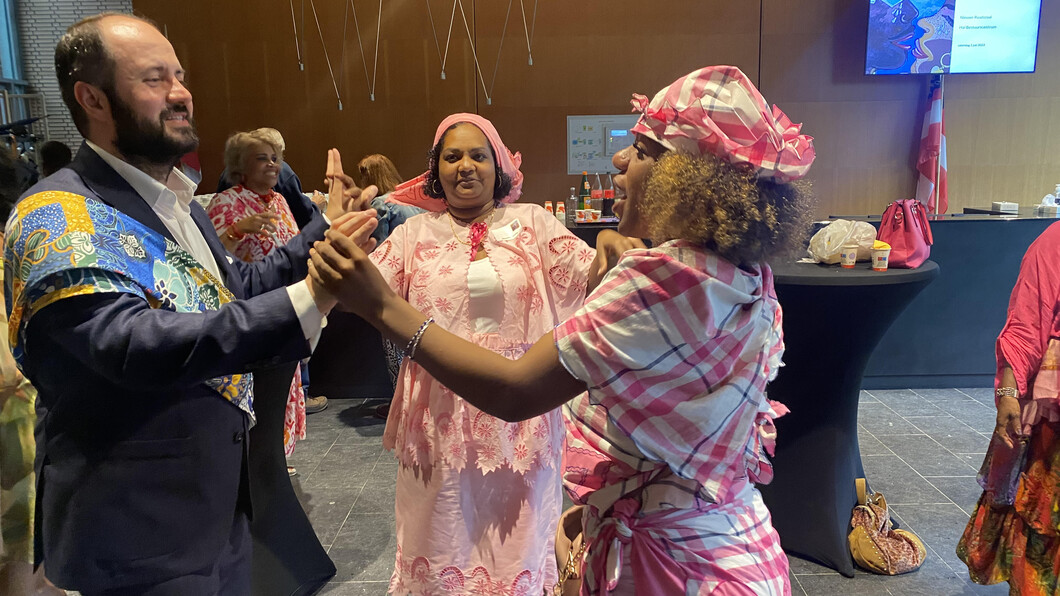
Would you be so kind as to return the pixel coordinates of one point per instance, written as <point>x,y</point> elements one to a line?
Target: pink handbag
<point>905,227</point>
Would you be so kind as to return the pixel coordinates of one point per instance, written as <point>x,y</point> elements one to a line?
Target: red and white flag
<point>931,162</point>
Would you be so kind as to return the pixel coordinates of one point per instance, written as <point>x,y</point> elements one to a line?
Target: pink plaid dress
<point>676,346</point>
<point>225,210</point>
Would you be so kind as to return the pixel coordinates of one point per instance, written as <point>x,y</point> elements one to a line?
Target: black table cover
<point>833,319</point>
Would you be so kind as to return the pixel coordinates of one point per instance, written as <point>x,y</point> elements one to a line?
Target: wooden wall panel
<point>589,57</point>
<point>1003,131</point>
<point>242,60</point>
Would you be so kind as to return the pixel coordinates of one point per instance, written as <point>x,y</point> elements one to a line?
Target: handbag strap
<point>920,217</point>
<point>862,489</point>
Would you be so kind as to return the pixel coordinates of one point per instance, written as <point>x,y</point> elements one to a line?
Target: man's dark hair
<point>54,155</point>
<point>81,55</point>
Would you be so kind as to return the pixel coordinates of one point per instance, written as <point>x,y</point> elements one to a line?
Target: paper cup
<point>594,215</point>
<point>580,215</point>
<point>848,256</point>
<point>879,258</point>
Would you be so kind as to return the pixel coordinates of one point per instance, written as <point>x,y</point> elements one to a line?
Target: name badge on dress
<point>508,232</point>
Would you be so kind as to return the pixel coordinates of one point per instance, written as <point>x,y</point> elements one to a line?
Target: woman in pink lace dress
<point>675,347</point>
<point>252,220</point>
<point>477,498</point>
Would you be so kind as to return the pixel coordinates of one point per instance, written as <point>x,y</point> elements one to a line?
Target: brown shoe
<point>315,404</point>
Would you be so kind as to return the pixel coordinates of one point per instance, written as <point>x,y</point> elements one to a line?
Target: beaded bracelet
<point>414,343</point>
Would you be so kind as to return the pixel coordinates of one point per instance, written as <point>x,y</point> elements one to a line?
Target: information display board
<point>593,140</point>
<point>952,36</point>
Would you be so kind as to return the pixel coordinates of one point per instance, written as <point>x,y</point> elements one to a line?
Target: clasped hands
<point>339,269</point>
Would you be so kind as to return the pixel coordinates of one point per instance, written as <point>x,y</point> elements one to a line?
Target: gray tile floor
<point>920,447</point>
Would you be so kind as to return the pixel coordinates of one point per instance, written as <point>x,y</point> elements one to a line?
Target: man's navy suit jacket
<point>140,464</point>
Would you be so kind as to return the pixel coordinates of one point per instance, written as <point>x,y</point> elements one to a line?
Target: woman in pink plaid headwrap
<point>675,347</point>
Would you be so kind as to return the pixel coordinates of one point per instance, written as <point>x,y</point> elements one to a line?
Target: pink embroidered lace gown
<point>478,499</point>
<point>225,210</point>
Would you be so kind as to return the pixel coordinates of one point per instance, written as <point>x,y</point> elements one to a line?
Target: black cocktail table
<point>833,319</point>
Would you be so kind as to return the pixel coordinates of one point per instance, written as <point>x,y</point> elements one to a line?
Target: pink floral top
<point>238,202</point>
<point>543,269</point>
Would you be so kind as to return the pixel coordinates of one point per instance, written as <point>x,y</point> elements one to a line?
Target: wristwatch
<point>1006,392</point>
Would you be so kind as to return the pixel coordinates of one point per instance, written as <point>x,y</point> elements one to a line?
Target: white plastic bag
<point>826,244</point>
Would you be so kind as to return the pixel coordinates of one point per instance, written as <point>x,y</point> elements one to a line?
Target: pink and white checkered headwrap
<point>411,192</point>
<point>718,110</point>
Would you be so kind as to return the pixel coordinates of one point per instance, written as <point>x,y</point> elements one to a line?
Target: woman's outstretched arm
<point>508,389</point>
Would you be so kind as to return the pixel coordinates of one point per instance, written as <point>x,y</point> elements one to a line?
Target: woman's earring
<point>436,187</point>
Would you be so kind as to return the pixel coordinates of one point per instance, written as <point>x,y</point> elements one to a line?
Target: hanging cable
<point>452,18</point>
<point>434,32</point>
<point>370,81</point>
<point>529,33</point>
<point>474,53</point>
<point>342,54</point>
<point>324,46</point>
<point>500,46</point>
<point>360,45</point>
<point>375,62</point>
<point>297,46</point>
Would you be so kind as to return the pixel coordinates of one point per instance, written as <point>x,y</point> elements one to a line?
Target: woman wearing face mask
<point>675,347</point>
<point>252,220</point>
<point>477,499</point>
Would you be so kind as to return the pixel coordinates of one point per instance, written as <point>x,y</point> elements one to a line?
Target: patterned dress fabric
<point>1019,542</point>
<point>478,499</point>
<point>676,346</point>
<point>238,202</point>
<point>17,450</point>
<point>225,209</point>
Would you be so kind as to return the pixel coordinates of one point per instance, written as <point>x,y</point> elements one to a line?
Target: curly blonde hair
<point>238,145</point>
<point>724,208</point>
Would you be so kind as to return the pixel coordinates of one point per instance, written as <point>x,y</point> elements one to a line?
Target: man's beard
<point>141,140</point>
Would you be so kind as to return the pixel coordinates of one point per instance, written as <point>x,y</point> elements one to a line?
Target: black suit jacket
<point>140,464</point>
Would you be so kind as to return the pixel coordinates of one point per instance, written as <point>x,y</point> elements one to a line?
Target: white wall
<point>40,25</point>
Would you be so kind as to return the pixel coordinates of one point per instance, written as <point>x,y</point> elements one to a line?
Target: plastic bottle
<point>607,210</point>
<point>584,194</point>
<point>597,194</point>
<point>572,207</point>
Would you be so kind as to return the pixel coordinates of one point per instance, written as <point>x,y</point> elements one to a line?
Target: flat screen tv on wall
<point>951,36</point>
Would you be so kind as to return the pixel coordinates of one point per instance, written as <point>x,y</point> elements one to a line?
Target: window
<point>10,61</point>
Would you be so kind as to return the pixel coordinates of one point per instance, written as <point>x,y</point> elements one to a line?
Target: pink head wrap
<point>717,110</point>
<point>411,192</point>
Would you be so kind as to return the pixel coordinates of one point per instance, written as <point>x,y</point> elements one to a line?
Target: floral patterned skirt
<point>1020,543</point>
<point>294,415</point>
<point>472,532</point>
<point>17,480</point>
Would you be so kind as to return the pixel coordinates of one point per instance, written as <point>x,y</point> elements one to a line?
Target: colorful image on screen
<point>951,36</point>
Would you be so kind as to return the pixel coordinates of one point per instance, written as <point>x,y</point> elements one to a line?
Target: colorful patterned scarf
<point>60,244</point>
